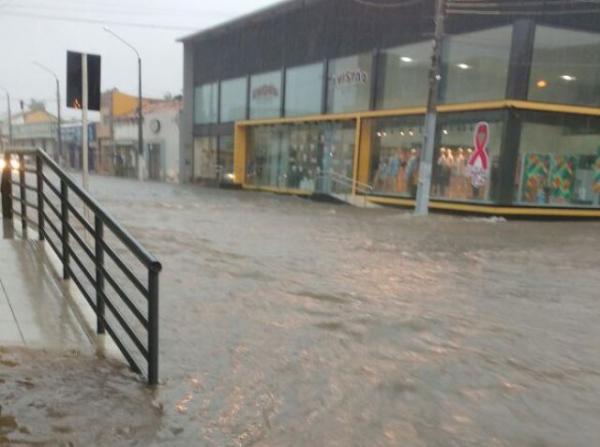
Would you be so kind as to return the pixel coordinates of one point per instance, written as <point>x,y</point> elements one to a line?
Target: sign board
<point>74,80</point>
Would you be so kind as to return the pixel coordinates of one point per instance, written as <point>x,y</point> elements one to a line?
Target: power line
<point>99,22</point>
<point>530,8</point>
<point>452,11</point>
<point>110,9</point>
<point>389,4</point>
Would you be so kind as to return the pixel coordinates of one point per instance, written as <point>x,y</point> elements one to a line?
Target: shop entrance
<point>336,158</point>
<point>154,164</point>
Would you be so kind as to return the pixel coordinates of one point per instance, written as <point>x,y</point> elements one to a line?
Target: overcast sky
<point>30,30</point>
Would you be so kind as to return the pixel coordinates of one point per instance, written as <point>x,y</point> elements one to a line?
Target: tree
<point>168,96</point>
<point>37,106</point>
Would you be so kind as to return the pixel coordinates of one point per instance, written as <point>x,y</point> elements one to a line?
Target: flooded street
<point>286,322</point>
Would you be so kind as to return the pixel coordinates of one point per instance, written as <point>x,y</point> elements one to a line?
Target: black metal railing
<point>58,198</point>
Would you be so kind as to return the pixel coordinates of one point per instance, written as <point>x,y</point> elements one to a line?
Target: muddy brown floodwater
<point>291,323</point>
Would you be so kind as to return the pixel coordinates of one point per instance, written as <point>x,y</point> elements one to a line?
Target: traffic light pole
<point>426,163</point>
<point>10,134</point>
<point>84,122</point>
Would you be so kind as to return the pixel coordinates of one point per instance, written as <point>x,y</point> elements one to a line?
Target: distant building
<point>36,128</point>
<point>117,136</point>
<point>329,96</point>
<point>161,142</point>
<point>71,134</point>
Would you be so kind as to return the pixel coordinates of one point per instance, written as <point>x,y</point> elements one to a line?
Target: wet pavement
<point>288,322</point>
<point>35,309</point>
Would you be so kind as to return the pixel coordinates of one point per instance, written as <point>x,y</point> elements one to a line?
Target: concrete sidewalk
<point>36,308</point>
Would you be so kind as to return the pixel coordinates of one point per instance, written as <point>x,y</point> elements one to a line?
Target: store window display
<point>396,148</point>
<point>559,160</point>
<point>301,156</point>
<point>466,162</point>
<point>205,158</point>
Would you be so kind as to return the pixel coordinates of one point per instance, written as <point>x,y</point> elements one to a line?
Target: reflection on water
<point>286,322</point>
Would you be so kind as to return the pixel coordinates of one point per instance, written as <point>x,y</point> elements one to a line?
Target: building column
<point>517,88</point>
<point>186,124</point>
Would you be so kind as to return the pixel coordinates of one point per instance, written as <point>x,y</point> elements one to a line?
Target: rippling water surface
<point>291,323</point>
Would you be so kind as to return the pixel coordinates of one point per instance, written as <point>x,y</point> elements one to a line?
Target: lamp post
<point>59,133</point>
<point>10,134</point>
<point>140,117</point>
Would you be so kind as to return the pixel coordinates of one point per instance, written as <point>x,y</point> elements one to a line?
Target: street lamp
<point>140,117</point>
<point>10,133</point>
<point>59,134</point>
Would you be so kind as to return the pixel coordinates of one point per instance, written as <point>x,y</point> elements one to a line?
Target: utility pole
<point>10,133</point>
<point>84,122</point>
<point>141,166</point>
<point>59,133</point>
<point>426,163</point>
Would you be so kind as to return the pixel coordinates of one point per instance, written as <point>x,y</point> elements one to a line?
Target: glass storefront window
<point>206,103</point>
<point>565,67</point>
<point>304,90</point>
<point>475,66</point>
<point>559,160</point>
<point>396,148</point>
<point>466,162</point>
<point>233,99</point>
<point>226,158</point>
<point>265,95</point>
<point>349,83</point>
<point>309,157</point>
<point>205,158</point>
<point>403,74</point>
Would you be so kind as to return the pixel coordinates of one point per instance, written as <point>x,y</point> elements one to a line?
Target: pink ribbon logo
<point>481,140</point>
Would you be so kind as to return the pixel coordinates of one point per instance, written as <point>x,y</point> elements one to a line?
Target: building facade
<point>161,142</point>
<point>329,96</point>
<point>72,137</point>
<point>36,128</point>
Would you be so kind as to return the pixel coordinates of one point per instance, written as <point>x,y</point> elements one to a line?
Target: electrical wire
<point>530,8</point>
<point>388,5</point>
<point>103,9</point>
<point>98,21</point>
<point>451,11</point>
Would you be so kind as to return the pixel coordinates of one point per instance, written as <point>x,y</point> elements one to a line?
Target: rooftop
<point>259,15</point>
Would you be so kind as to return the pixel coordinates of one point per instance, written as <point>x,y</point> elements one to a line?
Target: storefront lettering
<point>265,92</point>
<point>350,77</point>
<point>479,161</point>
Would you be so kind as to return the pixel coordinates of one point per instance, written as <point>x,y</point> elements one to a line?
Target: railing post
<point>153,327</point>
<point>40,195</point>
<point>98,240</point>
<point>6,187</point>
<point>64,211</point>
<point>23,194</point>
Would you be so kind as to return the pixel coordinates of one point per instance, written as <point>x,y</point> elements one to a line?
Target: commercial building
<point>161,141</point>
<point>329,96</point>
<point>34,128</point>
<point>72,138</point>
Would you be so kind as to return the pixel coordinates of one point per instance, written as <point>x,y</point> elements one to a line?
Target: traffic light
<point>74,79</point>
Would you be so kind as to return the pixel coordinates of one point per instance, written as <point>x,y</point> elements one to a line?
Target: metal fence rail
<point>37,163</point>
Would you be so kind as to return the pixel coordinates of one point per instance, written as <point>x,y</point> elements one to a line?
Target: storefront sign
<point>479,161</point>
<point>265,92</point>
<point>350,77</point>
